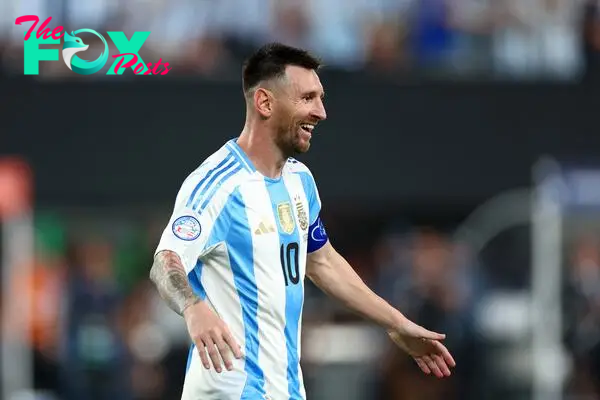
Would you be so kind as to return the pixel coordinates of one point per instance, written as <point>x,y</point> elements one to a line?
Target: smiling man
<point>244,233</point>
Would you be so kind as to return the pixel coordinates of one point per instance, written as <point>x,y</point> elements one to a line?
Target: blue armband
<point>317,236</point>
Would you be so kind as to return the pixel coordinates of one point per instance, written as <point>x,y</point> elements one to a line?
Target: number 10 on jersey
<point>289,263</point>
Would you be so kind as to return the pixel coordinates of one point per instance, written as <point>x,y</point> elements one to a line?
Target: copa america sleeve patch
<point>317,236</point>
<point>187,228</point>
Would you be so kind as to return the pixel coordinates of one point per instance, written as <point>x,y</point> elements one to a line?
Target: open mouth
<point>307,128</point>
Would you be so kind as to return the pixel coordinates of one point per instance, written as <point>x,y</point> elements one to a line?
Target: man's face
<point>299,108</point>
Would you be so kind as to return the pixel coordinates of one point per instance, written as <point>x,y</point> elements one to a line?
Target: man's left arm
<point>329,271</point>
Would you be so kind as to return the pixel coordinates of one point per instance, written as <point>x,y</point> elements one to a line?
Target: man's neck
<point>263,152</point>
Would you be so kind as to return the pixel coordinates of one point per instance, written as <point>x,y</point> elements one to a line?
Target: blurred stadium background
<point>459,171</point>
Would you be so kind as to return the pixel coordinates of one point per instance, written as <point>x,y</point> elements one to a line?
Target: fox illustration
<point>72,44</point>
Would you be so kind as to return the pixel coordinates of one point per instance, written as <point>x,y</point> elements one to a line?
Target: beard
<point>291,140</point>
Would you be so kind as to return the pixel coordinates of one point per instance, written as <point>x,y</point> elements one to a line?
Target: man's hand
<point>424,347</point>
<point>210,335</point>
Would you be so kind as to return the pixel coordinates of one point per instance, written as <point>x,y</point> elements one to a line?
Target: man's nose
<point>319,111</point>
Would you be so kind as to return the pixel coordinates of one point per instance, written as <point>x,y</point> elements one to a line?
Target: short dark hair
<point>270,61</point>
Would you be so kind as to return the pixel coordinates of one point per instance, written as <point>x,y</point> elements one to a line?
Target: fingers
<point>445,354</point>
<point>203,356</point>
<point>223,351</point>
<point>415,330</point>
<point>438,363</point>
<point>441,365</point>
<point>423,365</point>
<point>433,366</point>
<point>211,349</point>
<point>216,346</point>
<point>426,334</point>
<point>236,348</point>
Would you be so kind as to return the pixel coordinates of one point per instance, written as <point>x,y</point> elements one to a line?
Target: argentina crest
<point>302,217</point>
<point>286,218</point>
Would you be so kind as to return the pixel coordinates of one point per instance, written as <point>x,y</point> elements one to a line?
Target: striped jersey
<point>243,239</point>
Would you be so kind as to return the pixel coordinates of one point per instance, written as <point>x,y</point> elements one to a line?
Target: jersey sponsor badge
<point>186,228</point>
<point>286,219</point>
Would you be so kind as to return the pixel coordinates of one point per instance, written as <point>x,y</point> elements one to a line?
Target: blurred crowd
<point>100,331</point>
<point>459,39</point>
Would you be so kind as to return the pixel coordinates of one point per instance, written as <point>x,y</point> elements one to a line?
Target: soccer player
<point>244,233</point>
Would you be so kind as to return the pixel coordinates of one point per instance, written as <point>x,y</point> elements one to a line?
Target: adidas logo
<point>264,228</point>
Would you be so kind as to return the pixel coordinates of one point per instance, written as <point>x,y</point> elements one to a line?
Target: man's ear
<point>263,102</point>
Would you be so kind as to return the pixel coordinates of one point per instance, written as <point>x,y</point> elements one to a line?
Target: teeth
<point>308,127</point>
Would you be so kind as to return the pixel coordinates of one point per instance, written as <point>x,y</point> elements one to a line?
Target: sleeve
<point>314,200</point>
<point>188,231</point>
<point>317,236</point>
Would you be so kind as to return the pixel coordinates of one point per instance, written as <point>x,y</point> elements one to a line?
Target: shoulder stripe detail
<point>215,182</point>
<point>206,180</point>
<point>234,169</point>
<point>240,157</point>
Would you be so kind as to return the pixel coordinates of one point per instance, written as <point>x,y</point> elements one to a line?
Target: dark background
<point>454,144</point>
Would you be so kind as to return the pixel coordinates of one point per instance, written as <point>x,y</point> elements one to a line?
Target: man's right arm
<point>209,333</point>
<point>170,278</point>
<point>181,244</point>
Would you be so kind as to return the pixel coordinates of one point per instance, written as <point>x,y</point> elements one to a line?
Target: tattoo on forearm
<point>168,274</point>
